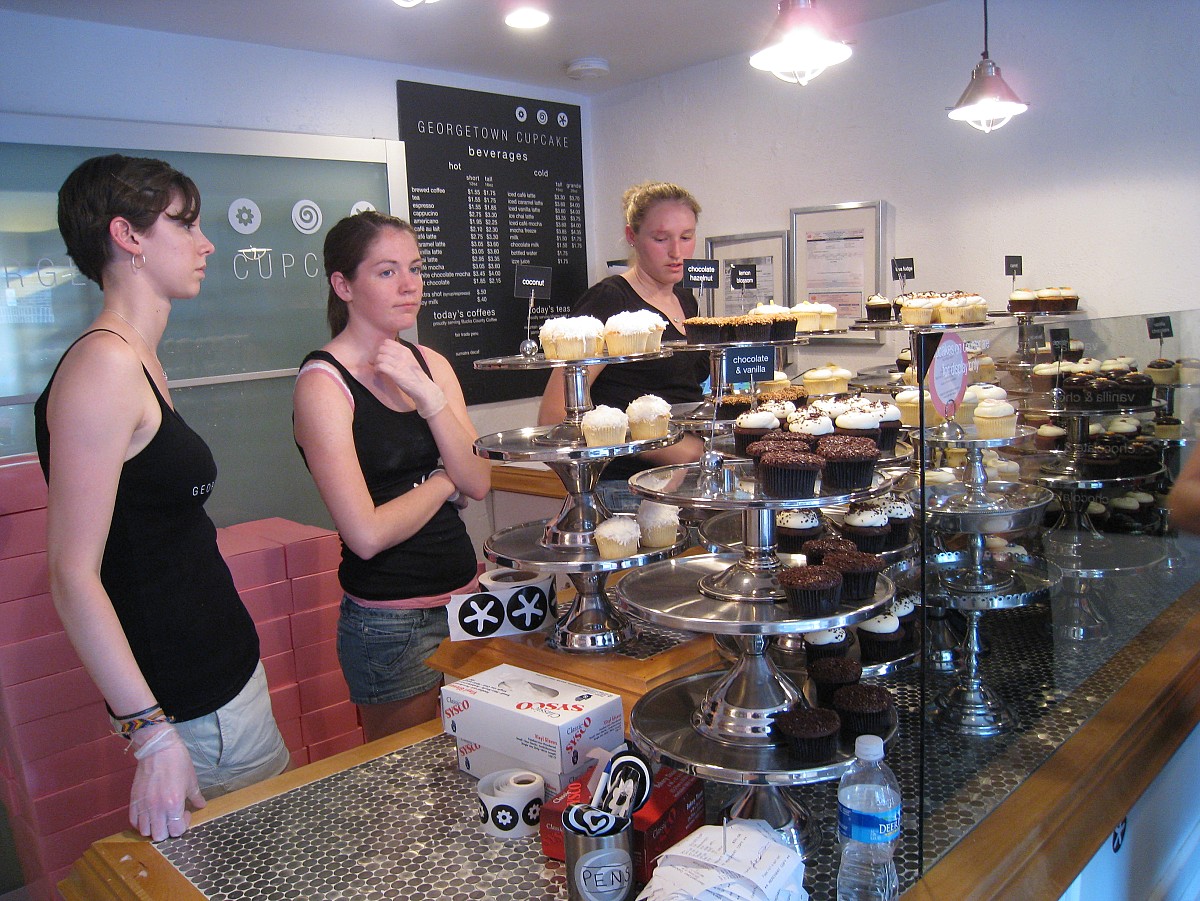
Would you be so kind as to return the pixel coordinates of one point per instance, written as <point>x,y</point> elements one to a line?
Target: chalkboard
<point>493,182</point>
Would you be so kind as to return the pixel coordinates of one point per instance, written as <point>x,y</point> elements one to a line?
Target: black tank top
<point>396,452</point>
<point>189,631</point>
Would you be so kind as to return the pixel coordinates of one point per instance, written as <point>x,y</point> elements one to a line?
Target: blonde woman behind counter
<point>383,429</point>
<point>660,227</point>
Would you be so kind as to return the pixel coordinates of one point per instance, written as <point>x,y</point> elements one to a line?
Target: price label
<point>749,364</point>
<point>532,281</point>
<point>903,268</point>
<point>1060,342</point>
<point>743,276</point>
<point>1012,265</point>
<point>700,273</point>
<point>948,374</point>
<point>1159,327</point>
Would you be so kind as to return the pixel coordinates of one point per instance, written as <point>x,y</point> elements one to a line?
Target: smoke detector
<point>587,67</point>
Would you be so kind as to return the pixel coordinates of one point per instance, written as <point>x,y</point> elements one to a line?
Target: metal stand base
<point>591,624</point>
<point>1076,615</point>
<point>787,816</point>
<point>974,710</point>
<point>942,639</point>
<point>740,707</point>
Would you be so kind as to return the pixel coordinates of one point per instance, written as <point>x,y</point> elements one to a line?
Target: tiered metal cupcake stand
<point>1073,542</point>
<point>973,581</point>
<point>720,726</point>
<point>566,544</point>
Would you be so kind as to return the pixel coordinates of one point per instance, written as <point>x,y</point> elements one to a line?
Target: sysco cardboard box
<point>548,724</point>
<point>674,810</point>
<point>477,760</point>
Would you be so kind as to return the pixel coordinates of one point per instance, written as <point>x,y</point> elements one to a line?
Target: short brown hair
<point>345,247</point>
<point>105,187</point>
<point>638,200</point>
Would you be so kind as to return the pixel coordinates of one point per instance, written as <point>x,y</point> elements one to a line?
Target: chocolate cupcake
<point>702,329</point>
<point>794,527</point>
<point>814,550</point>
<point>751,328</point>
<point>831,673</point>
<point>904,608</point>
<point>864,709</point>
<point>860,572</point>
<point>903,520</point>
<point>731,406</point>
<point>811,590</point>
<point>867,526</point>
<point>1168,427</point>
<point>796,394</point>
<point>1138,458</point>
<point>827,643</point>
<point>1100,462</point>
<point>881,638</point>
<point>1137,388</point>
<point>849,463</point>
<point>811,732</point>
<point>750,427</point>
<point>1163,372</point>
<point>789,474</point>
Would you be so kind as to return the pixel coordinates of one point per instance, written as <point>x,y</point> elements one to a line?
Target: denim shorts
<point>383,651</point>
<point>239,744</point>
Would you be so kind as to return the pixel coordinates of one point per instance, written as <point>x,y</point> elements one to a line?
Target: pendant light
<point>988,102</point>
<point>800,45</point>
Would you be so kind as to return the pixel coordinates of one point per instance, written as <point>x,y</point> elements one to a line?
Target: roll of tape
<point>510,803</point>
<point>501,579</point>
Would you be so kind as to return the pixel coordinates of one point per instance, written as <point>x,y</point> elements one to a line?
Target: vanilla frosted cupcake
<point>827,316</point>
<point>659,523</point>
<point>995,419</point>
<point>917,311</point>
<point>633,332</point>
<point>909,402</point>
<point>649,416</point>
<point>810,422</point>
<point>618,537</point>
<point>808,317</point>
<point>604,426</point>
<point>572,338</point>
<point>820,381</point>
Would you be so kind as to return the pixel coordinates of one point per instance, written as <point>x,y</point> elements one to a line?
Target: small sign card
<point>1060,342</point>
<point>701,274</point>
<point>903,269</point>
<point>1159,327</point>
<point>532,281</point>
<point>948,375</point>
<point>500,611</point>
<point>743,276</point>
<point>749,364</point>
<point>1012,265</point>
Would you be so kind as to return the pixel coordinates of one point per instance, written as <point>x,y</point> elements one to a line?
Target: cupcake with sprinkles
<point>795,527</point>
<point>827,643</point>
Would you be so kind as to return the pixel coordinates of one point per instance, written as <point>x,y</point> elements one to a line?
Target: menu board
<point>494,182</point>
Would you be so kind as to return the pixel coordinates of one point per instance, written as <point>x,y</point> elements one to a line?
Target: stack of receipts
<point>741,861</point>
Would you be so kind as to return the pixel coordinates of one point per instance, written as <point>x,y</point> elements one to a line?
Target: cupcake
<point>787,473</point>
<point>984,366</point>
<point>604,426</point>
<point>902,519</point>
<point>903,359</point>
<point>750,328</point>
<point>815,549</point>
<point>811,733</point>
<point>879,308</point>
<point>1022,300</point>
<point>794,527</point>
<point>908,402</point>
<point>821,381</point>
<point>1168,427</point>
<point>572,338</point>
<point>811,591</point>
<point>808,317</point>
<point>1069,299</point>
<point>703,329</point>
<point>751,426</point>
<point>867,526</point>
<point>811,423</point>
<point>659,524</point>
<point>864,709</point>
<point>627,333</point>
<point>860,422</point>
<point>731,406</point>
<point>917,311</point>
<point>783,323</point>
<point>828,314</point>
<point>1049,300</point>
<point>1045,377</point>
<point>860,572</point>
<point>881,638</point>
<point>904,608</point>
<point>831,673</point>
<point>827,643</point>
<point>1137,389</point>
<point>1163,372</point>
<point>649,417</point>
<point>849,463</point>
<point>995,419</point>
<point>795,394</point>
<point>1127,427</point>
<point>1050,437</point>
<point>617,537</point>
<point>1189,370</point>
<point>781,409</point>
<point>889,425</point>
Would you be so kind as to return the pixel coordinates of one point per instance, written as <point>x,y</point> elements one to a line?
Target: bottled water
<point>868,826</point>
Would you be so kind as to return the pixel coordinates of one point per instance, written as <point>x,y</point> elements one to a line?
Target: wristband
<point>455,496</point>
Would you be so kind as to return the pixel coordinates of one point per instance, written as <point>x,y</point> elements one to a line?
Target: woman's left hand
<point>397,362</point>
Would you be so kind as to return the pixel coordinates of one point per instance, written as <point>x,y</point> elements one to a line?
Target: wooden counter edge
<point>1036,841</point>
<point>522,480</point>
<point>129,866</point>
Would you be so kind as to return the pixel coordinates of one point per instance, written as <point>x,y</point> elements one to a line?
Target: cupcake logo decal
<point>307,217</point>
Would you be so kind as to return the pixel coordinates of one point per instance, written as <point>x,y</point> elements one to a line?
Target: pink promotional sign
<point>947,378</point>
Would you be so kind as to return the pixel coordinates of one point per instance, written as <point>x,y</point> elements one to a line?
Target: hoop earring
<point>133,262</point>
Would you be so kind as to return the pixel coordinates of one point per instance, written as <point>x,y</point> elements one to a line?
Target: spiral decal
<point>306,216</point>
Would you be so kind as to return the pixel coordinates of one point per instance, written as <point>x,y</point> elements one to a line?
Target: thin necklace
<point>144,341</point>
<point>678,320</point>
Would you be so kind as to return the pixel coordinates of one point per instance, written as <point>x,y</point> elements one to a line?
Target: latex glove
<point>165,779</point>
<point>397,362</point>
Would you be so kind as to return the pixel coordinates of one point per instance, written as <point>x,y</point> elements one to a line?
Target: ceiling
<point>639,38</point>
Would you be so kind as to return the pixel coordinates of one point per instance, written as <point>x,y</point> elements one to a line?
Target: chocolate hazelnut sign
<point>948,374</point>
